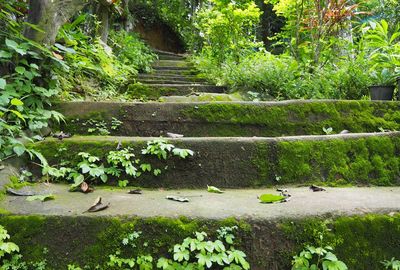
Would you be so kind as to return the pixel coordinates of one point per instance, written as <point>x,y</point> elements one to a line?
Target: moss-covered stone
<point>238,119</point>
<point>338,160</point>
<point>88,241</point>
<point>362,161</point>
<point>300,118</point>
<point>362,242</point>
<point>146,92</point>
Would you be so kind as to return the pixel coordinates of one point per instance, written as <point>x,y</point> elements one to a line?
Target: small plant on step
<point>317,258</point>
<point>115,123</point>
<point>161,148</point>
<point>393,264</point>
<point>201,253</point>
<point>143,262</point>
<point>122,161</point>
<point>10,257</point>
<point>97,127</point>
<point>116,163</point>
<point>91,167</point>
<point>327,130</point>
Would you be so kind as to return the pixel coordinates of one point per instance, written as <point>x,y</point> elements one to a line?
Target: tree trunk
<point>128,20</point>
<point>49,16</point>
<point>104,17</point>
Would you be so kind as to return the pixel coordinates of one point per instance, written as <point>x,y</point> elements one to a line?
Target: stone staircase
<point>244,148</point>
<point>175,74</point>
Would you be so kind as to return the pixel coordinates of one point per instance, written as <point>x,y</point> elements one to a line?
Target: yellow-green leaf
<point>16,102</point>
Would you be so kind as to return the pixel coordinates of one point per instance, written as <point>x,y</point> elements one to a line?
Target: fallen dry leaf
<point>135,191</point>
<point>177,199</point>
<point>98,206</point>
<point>85,188</point>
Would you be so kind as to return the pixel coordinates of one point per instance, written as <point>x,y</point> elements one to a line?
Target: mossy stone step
<point>155,91</point>
<point>171,57</point>
<point>172,63</point>
<point>188,89</point>
<point>233,203</point>
<point>168,81</point>
<point>203,97</point>
<point>182,68</point>
<point>225,119</point>
<point>269,244</point>
<point>361,159</point>
<point>164,55</point>
<point>174,72</point>
<point>170,77</point>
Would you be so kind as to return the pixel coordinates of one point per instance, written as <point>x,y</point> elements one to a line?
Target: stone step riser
<point>251,162</point>
<point>172,68</point>
<point>161,81</point>
<point>171,57</point>
<point>172,79</point>
<point>172,63</point>
<point>268,244</point>
<point>156,91</point>
<point>163,55</point>
<point>237,119</point>
<point>177,72</point>
<point>178,89</point>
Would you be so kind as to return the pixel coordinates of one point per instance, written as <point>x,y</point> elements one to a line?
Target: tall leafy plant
<point>315,27</point>
<point>228,29</point>
<point>382,48</point>
<point>27,84</point>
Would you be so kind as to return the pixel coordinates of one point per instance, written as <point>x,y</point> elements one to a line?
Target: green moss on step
<point>88,241</point>
<point>372,160</point>
<point>337,162</point>
<point>146,92</point>
<point>306,118</point>
<point>362,242</point>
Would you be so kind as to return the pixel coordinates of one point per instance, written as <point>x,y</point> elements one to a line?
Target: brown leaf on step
<point>316,189</point>
<point>85,188</point>
<point>177,199</point>
<point>135,191</point>
<point>98,206</point>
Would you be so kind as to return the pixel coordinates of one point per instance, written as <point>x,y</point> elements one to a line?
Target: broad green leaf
<point>9,247</point>
<point>20,70</point>
<point>65,49</point>
<point>213,189</point>
<point>3,83</point>
<point>330,256</point>
<point>78,179</point>
<point>270,198</point>
<point>17,102</point>
<point>19,149</point>
<point>84,167</point>
<point>4,54</point>
<point>11,44</point>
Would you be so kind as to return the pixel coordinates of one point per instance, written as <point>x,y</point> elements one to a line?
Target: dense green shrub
<point>27,84</point>
<point>131,51</point>
<point>96,69</point>
<point>228,29</point>
<point>282,77</point>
